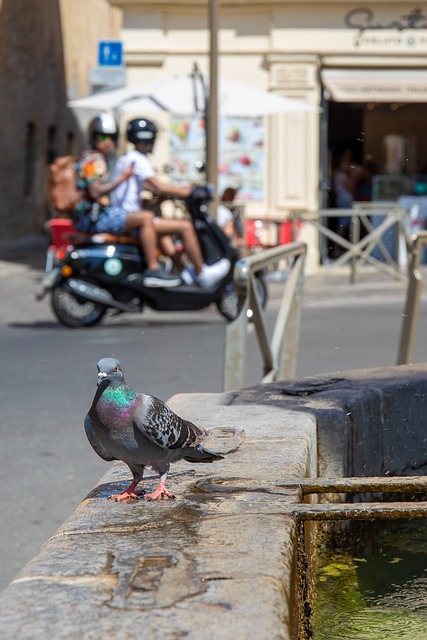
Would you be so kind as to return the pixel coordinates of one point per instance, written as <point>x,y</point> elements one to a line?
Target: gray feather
<point>95,442</point>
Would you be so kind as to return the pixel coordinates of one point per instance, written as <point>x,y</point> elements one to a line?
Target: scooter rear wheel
<point>228,306</point>
<point>74,311</point>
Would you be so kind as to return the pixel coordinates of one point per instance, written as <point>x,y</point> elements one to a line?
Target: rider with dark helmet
<point>96,214</point>
<point>142,133</point>
<point>142,130</point>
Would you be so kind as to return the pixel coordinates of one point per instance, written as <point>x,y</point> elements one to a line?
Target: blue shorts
<point>111,219</point>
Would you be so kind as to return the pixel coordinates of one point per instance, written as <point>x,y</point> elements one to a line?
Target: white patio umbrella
<point>119,100</point>
<point>187,94</point>
<point>182,95</point>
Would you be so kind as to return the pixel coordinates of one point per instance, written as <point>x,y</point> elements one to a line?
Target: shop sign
<point>371,85</point>
<point>365,22</point>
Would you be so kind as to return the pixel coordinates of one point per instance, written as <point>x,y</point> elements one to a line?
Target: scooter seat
<point>63,231</point>
<point>103,238</point>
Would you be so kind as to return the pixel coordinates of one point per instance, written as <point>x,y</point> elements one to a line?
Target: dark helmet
<point>105,124</point>
<point>142,130</point>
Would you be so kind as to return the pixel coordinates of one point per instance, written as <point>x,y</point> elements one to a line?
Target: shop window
<point>30,158</point>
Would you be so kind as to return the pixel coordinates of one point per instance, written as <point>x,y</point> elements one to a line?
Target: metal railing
<point>413,299</point>
<point>279,355</point>
<point>356,249</point>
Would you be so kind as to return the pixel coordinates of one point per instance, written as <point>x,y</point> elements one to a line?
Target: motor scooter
<point>94,274</point>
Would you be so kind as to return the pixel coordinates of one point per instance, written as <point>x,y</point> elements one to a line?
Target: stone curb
<point>215,563</point>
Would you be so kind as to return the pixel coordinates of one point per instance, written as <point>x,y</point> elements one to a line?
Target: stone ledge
<point>218,562</point>
<point>370,422</point>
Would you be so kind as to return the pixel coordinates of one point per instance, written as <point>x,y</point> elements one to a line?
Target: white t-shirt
<point>223,215</point>
<point>128,194</point>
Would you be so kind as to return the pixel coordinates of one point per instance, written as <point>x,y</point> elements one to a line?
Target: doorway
<point>390,137</point>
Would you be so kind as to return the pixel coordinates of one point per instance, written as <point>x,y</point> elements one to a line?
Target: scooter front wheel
<point>74,311</point>
<point>228,305</point>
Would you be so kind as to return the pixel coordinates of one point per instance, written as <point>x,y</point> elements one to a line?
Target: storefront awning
<point>374,85</point>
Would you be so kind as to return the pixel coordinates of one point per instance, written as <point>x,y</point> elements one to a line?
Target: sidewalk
<point>333,285</point>
<point>30,250</point>
<point>24,246</point>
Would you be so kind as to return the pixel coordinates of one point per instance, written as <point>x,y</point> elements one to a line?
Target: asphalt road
<point>49,377</point>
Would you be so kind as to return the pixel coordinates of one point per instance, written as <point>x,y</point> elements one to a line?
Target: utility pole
<point>212,107</point>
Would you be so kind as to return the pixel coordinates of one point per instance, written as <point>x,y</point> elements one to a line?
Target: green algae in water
<point>379,589</point>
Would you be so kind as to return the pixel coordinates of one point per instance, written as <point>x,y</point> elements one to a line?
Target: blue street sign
<point>110,53</point>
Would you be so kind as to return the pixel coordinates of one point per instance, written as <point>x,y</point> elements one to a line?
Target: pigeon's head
<point>110,369</point>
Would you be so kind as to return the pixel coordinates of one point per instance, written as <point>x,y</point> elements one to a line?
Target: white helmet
<point>105,124</point>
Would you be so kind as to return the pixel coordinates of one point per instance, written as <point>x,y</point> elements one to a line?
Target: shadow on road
<point>35,325</point>
<point>29,251</point>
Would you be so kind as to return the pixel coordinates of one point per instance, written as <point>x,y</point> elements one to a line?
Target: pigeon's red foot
<point>133,495</point>
<point>160,494</point>
<point>131,492</point>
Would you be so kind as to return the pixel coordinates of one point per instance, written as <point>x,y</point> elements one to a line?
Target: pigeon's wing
<point>97,445</point>
<point>157,422</point>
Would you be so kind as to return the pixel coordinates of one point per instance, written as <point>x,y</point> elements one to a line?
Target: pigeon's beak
<point>101,377</point>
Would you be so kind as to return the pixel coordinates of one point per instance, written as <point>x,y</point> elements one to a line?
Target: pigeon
<point>140,430</point>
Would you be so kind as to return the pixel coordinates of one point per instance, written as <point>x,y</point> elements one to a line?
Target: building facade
<point>364,65</point>
<point>46,50</point>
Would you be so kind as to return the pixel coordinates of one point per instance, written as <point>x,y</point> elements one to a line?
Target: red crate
<point>285,231</point>
<point>260,233</point>
<point>60,230</point>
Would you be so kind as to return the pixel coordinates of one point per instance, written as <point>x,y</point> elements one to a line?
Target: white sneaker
<point>211,274</point>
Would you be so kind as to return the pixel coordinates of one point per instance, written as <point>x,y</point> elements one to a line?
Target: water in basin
<point>377,589</point>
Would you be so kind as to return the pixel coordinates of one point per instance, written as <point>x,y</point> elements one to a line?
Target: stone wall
<point>44,50</point>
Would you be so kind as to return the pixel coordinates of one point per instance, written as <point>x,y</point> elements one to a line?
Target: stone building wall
<point>325,52</point>
<point>83,25</point>
<point>40,43</point>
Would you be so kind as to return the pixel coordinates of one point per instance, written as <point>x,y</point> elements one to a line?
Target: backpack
<point>62,191</point>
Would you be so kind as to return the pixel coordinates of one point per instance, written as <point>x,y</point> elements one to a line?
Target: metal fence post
<point>279,355</point>
<point>413,299</point>
<point>285,340</point>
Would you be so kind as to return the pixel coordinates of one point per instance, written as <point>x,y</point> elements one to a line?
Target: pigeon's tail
<point>198,454</point>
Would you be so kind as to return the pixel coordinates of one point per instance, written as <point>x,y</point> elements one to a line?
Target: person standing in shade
<point>228,219</point>
<point>344,180</point>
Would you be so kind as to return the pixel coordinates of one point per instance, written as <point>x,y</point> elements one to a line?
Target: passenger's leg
<point>169,249</point>
<point>185,229</point>
<point>154,276</point>
<point>143,220</point>
<point>206,276</point>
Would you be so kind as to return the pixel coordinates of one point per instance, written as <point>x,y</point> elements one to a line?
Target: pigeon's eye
<point>116,368</point>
